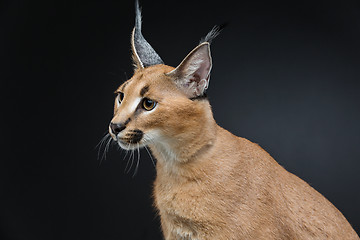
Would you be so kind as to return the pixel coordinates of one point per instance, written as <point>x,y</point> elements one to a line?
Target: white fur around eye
<point>134,104</point>
<point>117,102</point>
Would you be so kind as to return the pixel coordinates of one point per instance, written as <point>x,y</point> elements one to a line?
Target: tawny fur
<point>211,184</point>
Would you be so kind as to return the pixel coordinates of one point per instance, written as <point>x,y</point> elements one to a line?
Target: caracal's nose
<point>116,128</point>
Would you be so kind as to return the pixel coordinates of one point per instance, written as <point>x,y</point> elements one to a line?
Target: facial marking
<point>144,90</point>
<point>122,87</point>
<point>132,139</point>
<point>134,136</point>
<point>133,106</point>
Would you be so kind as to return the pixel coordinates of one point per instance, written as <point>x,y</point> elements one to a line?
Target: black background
<point>286,75</point>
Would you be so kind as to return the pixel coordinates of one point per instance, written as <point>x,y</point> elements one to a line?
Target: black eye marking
<point>127,121</point>
<point>124,85</point>
<point>148,104</point>
<point>144,90</point>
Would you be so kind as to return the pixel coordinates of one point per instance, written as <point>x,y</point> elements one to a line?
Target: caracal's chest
<point>188,209</point>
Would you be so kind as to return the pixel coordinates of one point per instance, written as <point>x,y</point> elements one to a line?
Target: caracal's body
<point>211,184</point>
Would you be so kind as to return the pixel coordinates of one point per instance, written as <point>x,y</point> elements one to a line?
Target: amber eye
<point>148,104</point>
<point>120,96</point>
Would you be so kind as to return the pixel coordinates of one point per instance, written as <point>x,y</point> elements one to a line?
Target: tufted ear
<point>143,54</point>
<point>193,73</point>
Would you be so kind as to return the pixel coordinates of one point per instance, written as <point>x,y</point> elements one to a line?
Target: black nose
<point>116,128</point>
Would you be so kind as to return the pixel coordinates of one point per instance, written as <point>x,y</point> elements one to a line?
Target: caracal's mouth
<point>133,139</point>
<point>129,140</point>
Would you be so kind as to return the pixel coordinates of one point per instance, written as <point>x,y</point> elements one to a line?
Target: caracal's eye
<point>120,97</point>
<point>148,104</point>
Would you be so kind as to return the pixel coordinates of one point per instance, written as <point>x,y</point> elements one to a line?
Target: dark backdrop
<point>285,75</point>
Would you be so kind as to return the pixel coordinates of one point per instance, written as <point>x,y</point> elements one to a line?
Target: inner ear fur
<point>192,75</point>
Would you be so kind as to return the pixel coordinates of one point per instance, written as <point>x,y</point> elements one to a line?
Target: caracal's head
<point>159,103</point>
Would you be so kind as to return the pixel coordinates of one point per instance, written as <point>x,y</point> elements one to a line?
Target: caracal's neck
<point>192,144</point>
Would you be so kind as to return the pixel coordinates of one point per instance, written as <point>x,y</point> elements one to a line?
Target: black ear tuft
<point>214,32</point>
<point>143,54</point>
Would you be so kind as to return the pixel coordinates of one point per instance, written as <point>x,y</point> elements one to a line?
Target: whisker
<point>105,150</point>
<point>138,160</point>
<point>106,133</point>
<point>100,144</point>
<point>132,156</point>
<point>152,160</point>
<point>104,143</point>
<point>108,146</point>
<point>128,160</point>
<point>127,151</point>
<point>119,148</point>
